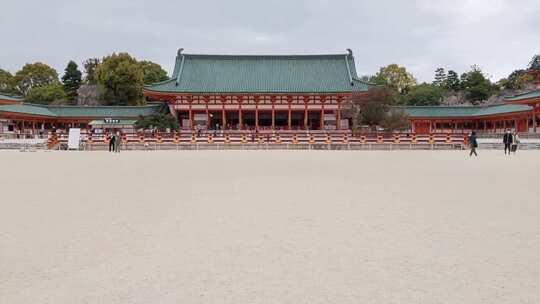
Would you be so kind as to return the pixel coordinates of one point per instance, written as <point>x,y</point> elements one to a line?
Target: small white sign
<point>74,138</point>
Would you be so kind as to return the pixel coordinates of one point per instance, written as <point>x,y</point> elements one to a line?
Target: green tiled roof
<point>462,111</point>
<point>262,74</point>
<point>29,109</point>
<point>84,111</point>
<point>4,96</point>
<point>527,95</point>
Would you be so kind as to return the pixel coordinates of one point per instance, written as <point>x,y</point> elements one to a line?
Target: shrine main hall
<point>260,92</point>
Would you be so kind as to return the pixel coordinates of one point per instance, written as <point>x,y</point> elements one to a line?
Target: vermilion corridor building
<point>519,112</point>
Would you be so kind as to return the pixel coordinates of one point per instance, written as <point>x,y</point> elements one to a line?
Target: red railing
<point>267,137</point>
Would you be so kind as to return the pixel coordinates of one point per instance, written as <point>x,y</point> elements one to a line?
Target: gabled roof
<point>29,109</point>
<point>262,74</point>
<point>524,96</point>
<point>9,97</point>
<point>55,111</point>
<point>462,111</point>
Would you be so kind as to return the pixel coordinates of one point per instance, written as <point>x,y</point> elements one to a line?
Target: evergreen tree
<point>395,77</point>
<point>152,72</point>
<point>424,95</point>
<point>35,75</point>
<point>122,80</point>
<point>6,82</point>
<point>452,81</point>
<point>535,63</point>
<point>440,77</point>
<point>462,81</point>
<point>53,93</point>
<point>517,80</point>
<point>90,67</point>
<point>476,85</point>
<point>72,81</point>
<point>161,122</point>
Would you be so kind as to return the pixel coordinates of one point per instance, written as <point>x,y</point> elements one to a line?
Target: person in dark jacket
<point>473,143</point>
<point>507,140</point>
<point>111,143</point>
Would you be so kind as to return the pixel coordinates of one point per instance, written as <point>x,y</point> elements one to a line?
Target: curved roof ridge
<point>100,106</point>
<point>531,92</point>
<point>464,111</point>
<point>363,81</point>
<point>159,82</point>
<point>261,73</point>
<point>461,106</point>
<point>48,106</point>
<point>266,55</point>
<point>524,93</point>
<point>10,95</point>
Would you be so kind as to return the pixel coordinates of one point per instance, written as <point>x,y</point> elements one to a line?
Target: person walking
<point>117,142</point>
<point>473,143</point>
<point>111,143</point>
<point>507,140</point>
<point>515,142</point>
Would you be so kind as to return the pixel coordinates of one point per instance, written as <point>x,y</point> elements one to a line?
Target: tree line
<point>449,88</point>
<point>117,79</point>
<point>379,107</point>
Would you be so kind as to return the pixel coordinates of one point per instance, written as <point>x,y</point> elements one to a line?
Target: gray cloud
<point>498,35</point>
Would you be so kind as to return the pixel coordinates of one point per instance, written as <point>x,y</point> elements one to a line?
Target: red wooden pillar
<point>257,100</point>
<point>306,99</point>
<point>223,99</point>
<point>273,112</point>
<point>322,114</point>
<point>240,120</point>
<point>338,115</point>
<point>223,118</point>
<point>534,119</point>
<point>190,117</point>
<point>289,117</point>
<point>206,101</point>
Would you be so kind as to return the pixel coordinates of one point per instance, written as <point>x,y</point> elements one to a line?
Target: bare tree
<point>369,108</point>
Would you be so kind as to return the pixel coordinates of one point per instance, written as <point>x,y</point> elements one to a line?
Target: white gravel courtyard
<point>269,227</point>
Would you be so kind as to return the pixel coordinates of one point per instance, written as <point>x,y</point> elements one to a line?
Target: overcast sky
<point>498,35</point>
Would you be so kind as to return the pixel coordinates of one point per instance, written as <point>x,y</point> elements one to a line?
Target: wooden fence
<point>240,140</point>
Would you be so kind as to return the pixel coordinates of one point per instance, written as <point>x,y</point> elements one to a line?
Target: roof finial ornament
<point>350,52</point>
<point>180,50</point>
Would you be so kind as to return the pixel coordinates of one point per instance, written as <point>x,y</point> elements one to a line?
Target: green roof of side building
<point>524,96</point>
<point>84,111</point>
<point>463,111</point>
<point>262,74</point>
<point>4,96</point>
